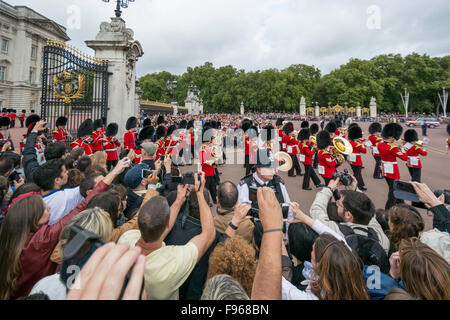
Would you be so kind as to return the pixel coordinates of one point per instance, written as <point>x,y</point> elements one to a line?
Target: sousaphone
<point>284,160</point>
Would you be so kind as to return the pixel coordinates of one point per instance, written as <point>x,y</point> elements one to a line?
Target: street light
<point>172,86</point>
<point>120,4</point>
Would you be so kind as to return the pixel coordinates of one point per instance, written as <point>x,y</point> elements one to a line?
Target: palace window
<point>31,78</point>
<point>4,45</point>
<point>2,73</point>
<point>33,52</point>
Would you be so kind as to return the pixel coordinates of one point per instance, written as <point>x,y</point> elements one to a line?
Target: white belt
<point>393,162</point>
<point>110,150</point>
<point>356,154</point>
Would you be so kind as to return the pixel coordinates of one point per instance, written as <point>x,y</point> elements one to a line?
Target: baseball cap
<point>150,148</point>
<point>134,176</point>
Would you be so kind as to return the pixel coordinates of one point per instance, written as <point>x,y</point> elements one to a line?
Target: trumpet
<point>398,143</point>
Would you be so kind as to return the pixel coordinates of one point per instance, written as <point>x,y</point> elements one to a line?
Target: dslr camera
<point>344,177</point>
<point>446,193</point>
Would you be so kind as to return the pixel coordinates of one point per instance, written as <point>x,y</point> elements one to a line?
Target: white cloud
<point>251,34</point>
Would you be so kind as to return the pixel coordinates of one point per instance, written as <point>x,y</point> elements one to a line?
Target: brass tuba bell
<point>341,147</point>
<point>284,160</point>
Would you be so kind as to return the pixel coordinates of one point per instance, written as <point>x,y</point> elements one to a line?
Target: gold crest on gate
<point>69,86</point>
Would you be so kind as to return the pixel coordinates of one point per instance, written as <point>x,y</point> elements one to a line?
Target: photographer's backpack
<point>367,247</point>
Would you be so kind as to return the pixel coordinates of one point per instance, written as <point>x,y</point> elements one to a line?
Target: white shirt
<point>61,202</point>
<point>244,194</point>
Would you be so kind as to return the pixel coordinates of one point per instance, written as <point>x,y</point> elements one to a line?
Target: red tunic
<point>306,154</point>
<point>60,135</point>
<point>355,157</point>
<point>281,139</point>
<point>413,155</point>
<point>110,145</point>
<point>170,145</point>
<point>97,140</point>
<point>80,143</point>
<point>13,117</point>
<point>388,154</point>
<point>5,138</point>
<point>129,140</point>
<point>205,155</point>
<point>161,149</point>
<point>293,145</point>
<point>138,156</point>
<point>374,141</point>
<point>327,164</point>
<point>22,117</point>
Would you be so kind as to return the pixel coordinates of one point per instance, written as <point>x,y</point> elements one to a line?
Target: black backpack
<point>367,247</point>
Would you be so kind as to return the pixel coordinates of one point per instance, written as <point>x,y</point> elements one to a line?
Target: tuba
<point>341,147</point>
<point>284,160</point>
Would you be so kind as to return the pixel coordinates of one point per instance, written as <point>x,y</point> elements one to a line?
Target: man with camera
<point>264,176</point>
<point>355,209</point>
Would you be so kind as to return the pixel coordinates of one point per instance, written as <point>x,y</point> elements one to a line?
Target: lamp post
<point>405,100</point>
<point>120,4</point>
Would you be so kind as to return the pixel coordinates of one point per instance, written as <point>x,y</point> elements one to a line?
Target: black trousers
<point>248,167</point>
<point>327,180</point>
<point>310,174</point>
<point>358,175</point>
<point>391,201</point>
<point>21,123</point>
<point>415,173</point>
<point>111,164</point>
<point>315,161</point>
<point>424,131</point>
<point>13,123</point>
<point>377,171</point>
<point>211,185</point>
<point>295,166</point>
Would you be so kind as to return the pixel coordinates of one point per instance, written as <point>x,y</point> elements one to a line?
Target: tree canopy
<point>384,77</point>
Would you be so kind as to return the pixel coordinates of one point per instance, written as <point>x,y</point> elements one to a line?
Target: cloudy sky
<point>261,34</point>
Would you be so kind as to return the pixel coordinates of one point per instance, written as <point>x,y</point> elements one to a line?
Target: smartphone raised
<point>405,191</point>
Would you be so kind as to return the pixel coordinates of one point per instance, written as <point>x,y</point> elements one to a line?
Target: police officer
<point>265,175</point>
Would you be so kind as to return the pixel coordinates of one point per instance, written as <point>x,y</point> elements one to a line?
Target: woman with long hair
<point>404,222</point>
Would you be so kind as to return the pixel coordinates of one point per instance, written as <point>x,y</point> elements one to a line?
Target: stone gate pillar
<point>115,43</point>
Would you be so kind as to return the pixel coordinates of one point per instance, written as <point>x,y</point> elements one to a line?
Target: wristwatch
<point>232,225</point>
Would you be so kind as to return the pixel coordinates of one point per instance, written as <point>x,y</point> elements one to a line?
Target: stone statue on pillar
<point>115,43</point>
<point>192,102</point>
<point>373,107</point>
<point>242,108</point>
<point>303,107</point>
<point>358,110</point>
<point>317,110</point>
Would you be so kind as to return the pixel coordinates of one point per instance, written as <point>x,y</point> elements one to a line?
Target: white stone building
<point>23,35</point>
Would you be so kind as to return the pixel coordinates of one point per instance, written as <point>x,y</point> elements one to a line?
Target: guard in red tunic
<point>414,150</point>
<point>170,142</point>
<point>327,163</point>
<point>389,153</point>
<point>84,137</point>
<point>191,133</point>
<point>206,161</point>
<point>293,147</point>
<point>279,125</point>
<point>373,141</point>
<point>22,118</point>
<point>160,137</point>
<point>448,139</point>
<point>306,153</point>
<point>331,128</point>
<point>355,158</point>
<point>13,118</point>
<point>129,139</point>
<point>97,136</point>
<point>314,129</point>
<point>60,133</point>
<point>110,145</point>
<point>145,135</point>
<point>248,134</point>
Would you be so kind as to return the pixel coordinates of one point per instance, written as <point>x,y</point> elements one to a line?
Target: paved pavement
<point>435,171</point>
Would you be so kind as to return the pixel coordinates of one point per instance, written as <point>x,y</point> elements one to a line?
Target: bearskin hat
<point>218,125</point>
<point>214,124</point>
<point>314,128</point>
<point>323,140</point>
<point>355,132</point>
<point>411,135</point>
<point>171,130</point>
<point>331,127</point>
<point>160,120</point>
<point>206,133</point>
<point>98,124</point>
<point>23,111</point>
<point>86,128</point>
<point>392,130</point>
<point>304,125</point>
<point>353,124</point>
<point>279,122</point>
<point>246,124</point>
<point>190,124</point>
<point>252,132</point>
<point>338,123</point>
<point>131,123</point>
<point>288,128</point>
<point>146,122</point>
<point>5,122</point>
<point>31,121</point>
<point>61,121</point>
<point>112,129</point>
<point>304,134</point>
<point>183,124</point>
<point>266,134</point>
<point>146,133</point>
<point>375,127</point>
<point>160,132</point>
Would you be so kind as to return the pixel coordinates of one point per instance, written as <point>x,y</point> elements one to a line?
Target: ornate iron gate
<point>74,85</point>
